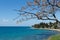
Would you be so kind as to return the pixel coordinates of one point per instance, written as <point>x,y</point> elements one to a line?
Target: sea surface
<point>24,33</point>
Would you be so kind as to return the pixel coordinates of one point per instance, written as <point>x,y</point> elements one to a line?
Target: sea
<point>24,33</point>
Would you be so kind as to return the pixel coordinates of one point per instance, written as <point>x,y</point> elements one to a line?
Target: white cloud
<point>6,22</point>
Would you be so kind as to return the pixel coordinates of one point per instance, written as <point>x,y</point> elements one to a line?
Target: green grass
<point>55,37</point>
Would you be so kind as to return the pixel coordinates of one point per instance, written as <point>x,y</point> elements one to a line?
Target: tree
<point>40,9</point>
<point>50,24</point>
<point>36,26</point>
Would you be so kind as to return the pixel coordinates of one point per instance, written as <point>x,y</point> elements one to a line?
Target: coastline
<point>47,29</point>
<point>58,30</point>
<point>51,29</point>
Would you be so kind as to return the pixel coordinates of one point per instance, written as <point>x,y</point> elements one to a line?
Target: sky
<point>7,13</point>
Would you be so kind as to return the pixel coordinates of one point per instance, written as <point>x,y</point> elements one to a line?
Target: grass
<point>55,37</point>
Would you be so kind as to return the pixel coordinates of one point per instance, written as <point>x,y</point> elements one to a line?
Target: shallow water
<point>24,33</point>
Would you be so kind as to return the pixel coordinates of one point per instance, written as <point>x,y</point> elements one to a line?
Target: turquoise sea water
<point>24,33</point>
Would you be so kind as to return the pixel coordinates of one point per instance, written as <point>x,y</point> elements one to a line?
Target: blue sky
<point>7,13</point>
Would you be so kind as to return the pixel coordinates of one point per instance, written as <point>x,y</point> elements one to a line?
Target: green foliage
<point>56,37</point>
<point>36,26</point>
<point>46,25</point>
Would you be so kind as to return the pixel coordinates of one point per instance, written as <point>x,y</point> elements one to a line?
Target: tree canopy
<point>40,9</point>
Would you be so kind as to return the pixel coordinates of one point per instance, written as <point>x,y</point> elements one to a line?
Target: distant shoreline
<point>52,29</point>
<point>55,29</point>
<point>47,29</point>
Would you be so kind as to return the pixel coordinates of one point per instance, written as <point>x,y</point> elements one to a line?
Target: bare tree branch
<point>40,9</point>
<point>57,5</point>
